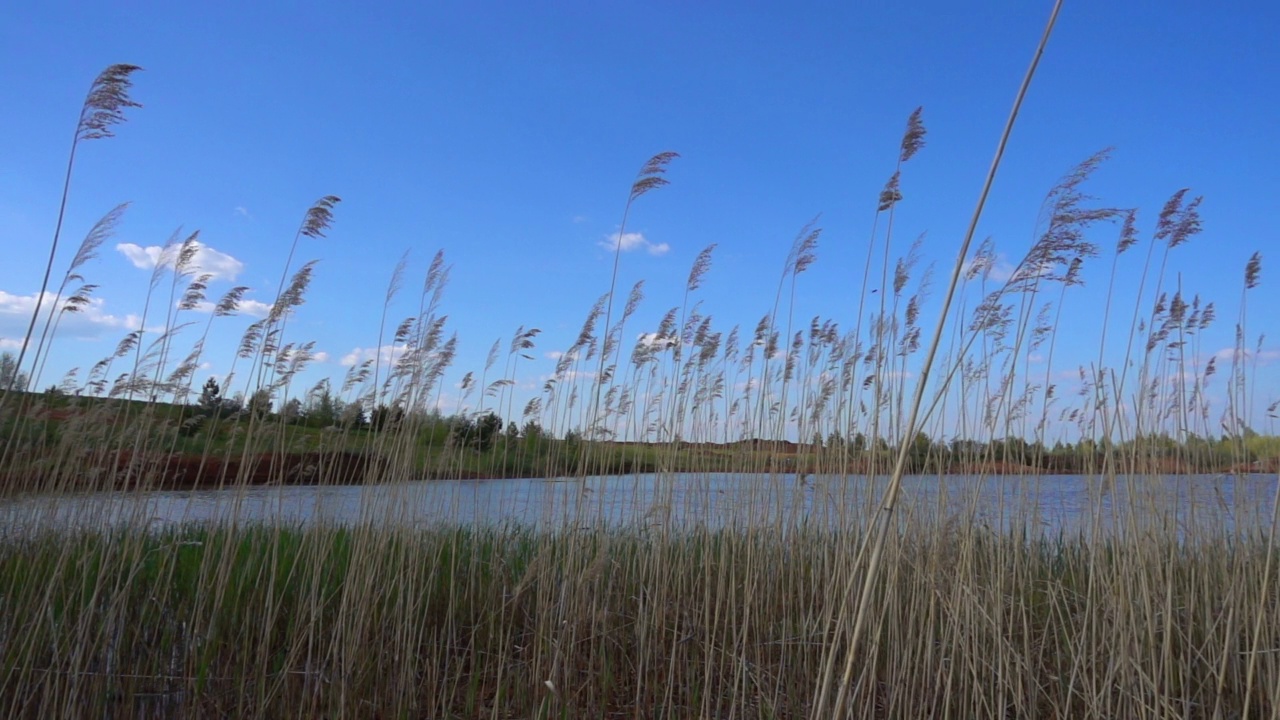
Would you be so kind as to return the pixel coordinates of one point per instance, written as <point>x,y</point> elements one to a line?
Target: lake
<point>1049,504</point>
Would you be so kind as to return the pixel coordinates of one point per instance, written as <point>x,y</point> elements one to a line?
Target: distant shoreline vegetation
<point>208,449</point>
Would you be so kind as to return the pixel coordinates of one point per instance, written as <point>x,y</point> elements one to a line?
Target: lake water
<point>1050,504</point>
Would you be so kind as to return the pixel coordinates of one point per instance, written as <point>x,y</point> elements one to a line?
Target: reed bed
<point>883,609</point>
<point>508,622</point>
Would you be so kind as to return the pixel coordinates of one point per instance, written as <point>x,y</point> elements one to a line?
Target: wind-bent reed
<point>729,528</point>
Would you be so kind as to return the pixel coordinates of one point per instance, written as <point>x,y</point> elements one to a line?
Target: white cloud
<point>242,211</point>
<point>633,241</point>
<point>251,308</point>
<point>998,270</point>
<point>88,323</point>
<point>1001,271</point>
<point>320,356</point>
<point>652,340</point>
<point>10,343</point>
<point>208,260</point>
<point>387,354</point>
<point>569,376</point>
<point>1264,357</point>
<point>142,258</point>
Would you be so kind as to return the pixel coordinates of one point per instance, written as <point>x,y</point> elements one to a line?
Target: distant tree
<point>570,450</point>
<point>212,406</point>
<point>531,435</point>
<point>352,415</point>
<point>1263,447</point>
<point>477,434</point>
<point>260,403</point>
<point>233,404</point>
<point>921,445</point>
<point>532,432</point>
<point>11,377</point>
<point>461,428</point>
<point>967,450</point>
<point>487,430</point>
<point>433,428</point>
<point>211,396</point>
<point>291,411</point>
<point>920,450</point>
<point>386,417</point>
<point>322,409</point>
<point>859,443</point>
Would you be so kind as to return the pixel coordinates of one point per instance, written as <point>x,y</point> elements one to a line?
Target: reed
<point>820,522</point>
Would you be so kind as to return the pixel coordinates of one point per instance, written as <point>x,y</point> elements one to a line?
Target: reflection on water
<point>1044,504</point>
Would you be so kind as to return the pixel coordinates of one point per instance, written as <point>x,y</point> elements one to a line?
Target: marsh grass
<point>857,606</point>
<point>466,622</point>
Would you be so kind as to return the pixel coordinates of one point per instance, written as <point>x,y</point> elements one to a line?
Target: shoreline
<point>187,471</point>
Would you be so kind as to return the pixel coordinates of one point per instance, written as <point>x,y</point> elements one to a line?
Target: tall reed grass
<point>859,606</point>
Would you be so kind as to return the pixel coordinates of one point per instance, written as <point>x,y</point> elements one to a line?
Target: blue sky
<point>507,135</point>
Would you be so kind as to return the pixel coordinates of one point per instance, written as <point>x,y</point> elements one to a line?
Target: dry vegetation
<point>880,614</point>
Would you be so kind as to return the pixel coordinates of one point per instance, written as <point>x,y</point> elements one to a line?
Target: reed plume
<point>875,542</point>
<point>103,229</point>
<point>103,109</point>
<point>650,177</point>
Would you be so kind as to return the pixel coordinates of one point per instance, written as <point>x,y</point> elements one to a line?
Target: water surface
<point>1049,504</point>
